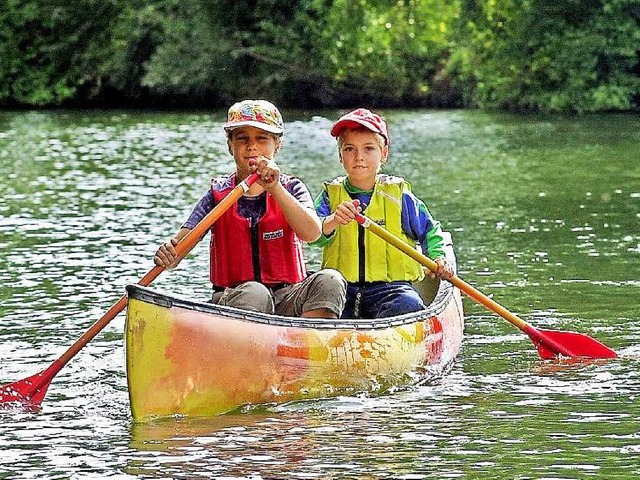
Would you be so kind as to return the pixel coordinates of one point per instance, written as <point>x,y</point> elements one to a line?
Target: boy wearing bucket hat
<point>379,276</point>
<point>256,258</point>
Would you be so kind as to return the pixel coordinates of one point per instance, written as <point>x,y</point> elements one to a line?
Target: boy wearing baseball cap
<point>379,276</point>
<point>256,257</point>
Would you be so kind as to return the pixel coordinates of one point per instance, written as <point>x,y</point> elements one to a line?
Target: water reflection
<point>232,445</point>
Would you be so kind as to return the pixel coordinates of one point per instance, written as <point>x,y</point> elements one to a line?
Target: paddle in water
<point>550,343</point>
<point>31,390</point>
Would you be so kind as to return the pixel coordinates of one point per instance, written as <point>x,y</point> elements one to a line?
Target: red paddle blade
<point>29,391</point>
<point>24,391</point>
<point>552,343</point>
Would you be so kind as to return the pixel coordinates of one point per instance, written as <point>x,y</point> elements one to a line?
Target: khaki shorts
<point>325,289</point>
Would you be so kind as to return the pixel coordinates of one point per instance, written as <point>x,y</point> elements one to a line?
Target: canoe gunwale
<point>440,302</point>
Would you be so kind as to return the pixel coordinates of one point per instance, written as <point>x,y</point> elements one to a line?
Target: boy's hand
<point>268,171</point>
<point>166,255</point>
<point>444,270</point>
<point>346,212</point>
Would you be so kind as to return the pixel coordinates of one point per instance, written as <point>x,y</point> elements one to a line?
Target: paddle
<point>550,343</point>
<point>31,390</point>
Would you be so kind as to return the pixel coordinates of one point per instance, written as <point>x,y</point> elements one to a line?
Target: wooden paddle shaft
<point>549,343</point>
<point>473,292</point>
<point>185,245</point>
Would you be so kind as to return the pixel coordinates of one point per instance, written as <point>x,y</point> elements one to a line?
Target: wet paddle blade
<point>551,343</point>
<point>29,391</point>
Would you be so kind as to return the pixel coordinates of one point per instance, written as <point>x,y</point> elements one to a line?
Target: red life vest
<point>268,252</point>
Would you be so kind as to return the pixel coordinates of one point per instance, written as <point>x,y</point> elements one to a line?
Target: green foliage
<point>135,35</point>
<point>550,55</point>
<point>243,50</point>
<point>49,51</point>
<point>389,51</point>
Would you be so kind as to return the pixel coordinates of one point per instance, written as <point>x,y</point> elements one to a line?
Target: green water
<point>545,217</point>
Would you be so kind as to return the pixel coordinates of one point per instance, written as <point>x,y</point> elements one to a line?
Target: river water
<point>545,217</point>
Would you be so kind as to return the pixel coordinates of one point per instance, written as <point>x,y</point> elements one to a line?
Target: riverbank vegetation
<point>519,55</point>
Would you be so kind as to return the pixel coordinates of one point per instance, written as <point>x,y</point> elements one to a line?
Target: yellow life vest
<point>362,256</point>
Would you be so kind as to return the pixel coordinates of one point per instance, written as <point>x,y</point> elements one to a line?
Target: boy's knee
<point>329,281</point>
<point>328,290</point>
<point>402,305</point>
<point>252,296</point>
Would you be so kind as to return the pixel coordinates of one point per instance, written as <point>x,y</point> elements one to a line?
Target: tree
<point>549,55</point>
<point>387,53</point>
<point>52,49</point>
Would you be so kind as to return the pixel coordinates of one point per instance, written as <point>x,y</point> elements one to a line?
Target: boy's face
<point>362,155</point>
<point>247,143</point>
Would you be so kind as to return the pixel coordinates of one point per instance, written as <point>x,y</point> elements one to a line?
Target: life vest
<point>362,256</point>
<point>268,252</point>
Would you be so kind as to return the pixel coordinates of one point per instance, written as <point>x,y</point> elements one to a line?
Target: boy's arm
<point>323,209</point>
<point>202,208</point>
<point>297,206</point>
<point>418,223</point>
<point>166,255</point>
<point>344,214</point>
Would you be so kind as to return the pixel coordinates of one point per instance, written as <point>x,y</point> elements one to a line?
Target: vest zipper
<point>255,251</point>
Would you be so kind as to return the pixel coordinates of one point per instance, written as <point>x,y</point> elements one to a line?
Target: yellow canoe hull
<point>197,359</point>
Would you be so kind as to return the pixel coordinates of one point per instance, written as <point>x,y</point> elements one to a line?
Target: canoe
<point>192,358</point>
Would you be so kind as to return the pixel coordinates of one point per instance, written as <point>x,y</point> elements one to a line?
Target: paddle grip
<point>361,219</point>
